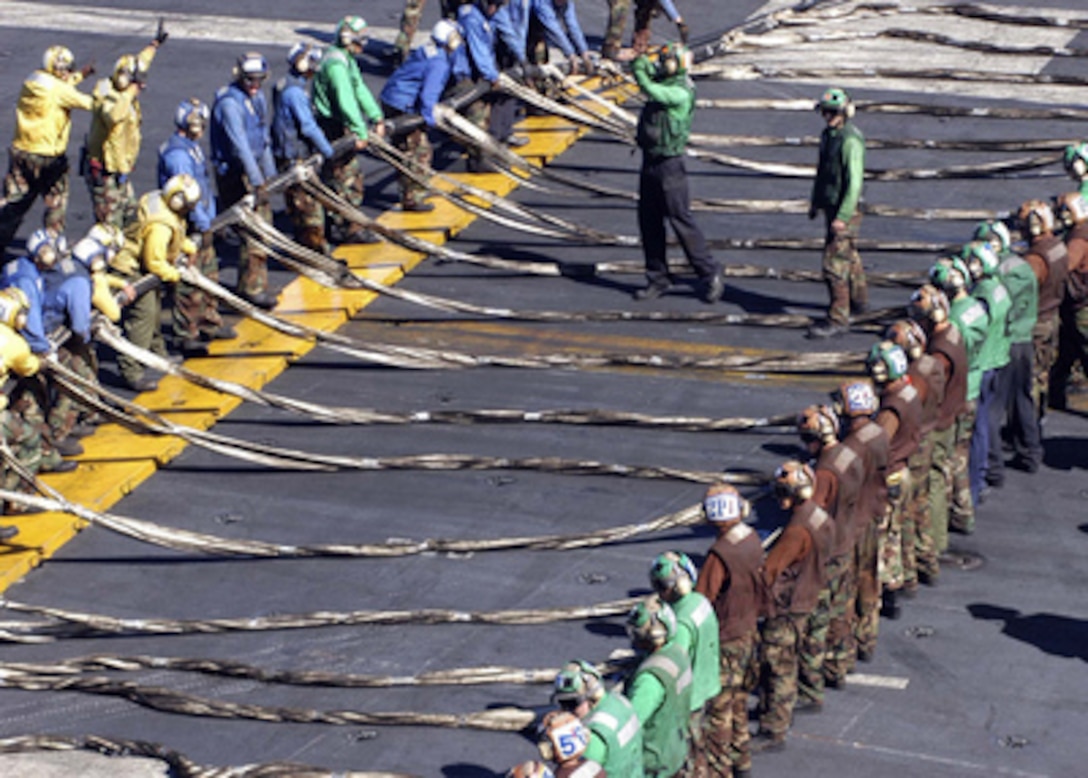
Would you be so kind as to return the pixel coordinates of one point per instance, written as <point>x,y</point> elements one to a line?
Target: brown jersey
<point>905,402</point>
<point>949,344</point>
<point>927,374</point>
<point>844,466</point>
<point>796,567</point>
<point>1076,284</point>
<point>1052,251</point>
<point>739,599</point>
<point>869,440</point>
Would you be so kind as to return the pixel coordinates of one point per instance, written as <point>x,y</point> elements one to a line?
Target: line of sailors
<point>894,462</point>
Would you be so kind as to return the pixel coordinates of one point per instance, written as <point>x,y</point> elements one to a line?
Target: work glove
<point>87,70</point>
<point>682,29</point>
<point>261,198</point>
<point>161,34</point>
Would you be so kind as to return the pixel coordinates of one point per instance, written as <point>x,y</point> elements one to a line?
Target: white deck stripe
<point>879,681</point>
<point>84,19</point>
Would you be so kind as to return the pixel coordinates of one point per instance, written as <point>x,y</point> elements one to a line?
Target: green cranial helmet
<point>352,29</point>
<point>980,259</point>
<point>950,275</point>
<point>996,232</point>
<point>1077,152</point>
<point>887,362</point>
<point>651,624</point>
<point>673,58</point>
<point>833,99</point>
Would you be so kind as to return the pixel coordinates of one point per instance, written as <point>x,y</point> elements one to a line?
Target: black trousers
<point>1023,419</point>
<point>663,194</point>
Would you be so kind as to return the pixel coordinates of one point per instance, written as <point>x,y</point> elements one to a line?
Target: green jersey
<point>615,736</point>
<point>665,122</point>
<point>1018,277</point>
<point>660,692</point>
<point>971,320</point>
<point>697,621</point>
<point>995,349</point>
<point>341,95</point>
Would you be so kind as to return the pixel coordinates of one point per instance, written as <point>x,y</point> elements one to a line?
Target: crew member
<point>663,129</point>
<point>38,160</point>
<point>615,732</point>
<point>562,740</point>
<point>840,175</point>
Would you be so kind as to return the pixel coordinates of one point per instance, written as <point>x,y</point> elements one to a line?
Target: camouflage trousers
<point>919,550</point>
<point>843,272</point>
<point>25,443</point>
<point>811,650</point>
<point>1072,351</point>
<point>252,257</point>
<point>142,325</point>
<point>479,113</point>
<point>64,413</point>
<point>417,146</point>
<point>890,531</point>
<point>695,766</point>
<point>112,198</point>
<point>842,586</point>
<point>35,444</point>
<point>618,10</point>
<point>31,175</point>
<point>1044,339</point>
<point>867,606</point>
<point>961,512</point>
<point>194,311</point>
<point>726,722</point>
<point>780,639</point>
<point>344,175</point>
<point>940,486</point>
<point>307,215</point>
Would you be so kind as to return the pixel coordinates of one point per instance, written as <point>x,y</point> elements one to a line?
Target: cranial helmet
<point>13,307</point>
<point>997,233</point>
<point>794,482</point>
<point>561,737</point>
<point>128,70</point>
<point>303,58</point>
<point>928,303</point>
<point>1036,218</point>
<point>530,769</point>
<point>887,362</point>
<point>446,34</point>
<point>950,274</point>
<point>818,423</point>
<point>251,66</point>
<point>192,116</point>
<point>909,336</point>
<point>181,193</point>
<point>673,573</point>
<point>43,248</point>
<point>58,60</point>
<point>1076,160</point>
<point>724,503</point>
<point>351,30</point>
<point>980,258</point>
<point>1071,208</point>
<point>836,100</point>
<point>673,58</point>
<point>577,682</point>
<point>853,399</point>
<point>651,624</point>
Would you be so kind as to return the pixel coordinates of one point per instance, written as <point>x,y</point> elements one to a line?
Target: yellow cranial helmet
<point>58,60</point>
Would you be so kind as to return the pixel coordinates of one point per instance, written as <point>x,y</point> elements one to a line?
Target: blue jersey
<point>67,298</point>
<point>417,85</point>
<point>184,155</point>
<point>554,16</point>
<point>295,134</point>
<point>511,25</point>
<point>239,135</point>
<point>23,274</point>
<point>478,53</point>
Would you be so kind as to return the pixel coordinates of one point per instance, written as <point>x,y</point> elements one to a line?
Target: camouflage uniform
<point>479,113</point>
<point>306,213</point>
<point>811,648</point>
<point>617,21</point>
<point>252,257</point>
<point>1045,340</point>
<point>195,312</point>
<point>890,536</point>
<point>940,491</point>
<point>919,552</point>
<point>25,443</point>
<point>867,626</point>
<point>961,515</point>
<point>843,272</point>
<point>778,659</point>
<point>35,449</point>
<point>30,175</point>
<point>79,357</point>
<point>409,23</point>
<point>842,586</point>
<point>727,713</point>
<point>113,198</point>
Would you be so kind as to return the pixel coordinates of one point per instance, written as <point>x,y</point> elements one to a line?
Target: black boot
<point>889,609</point>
